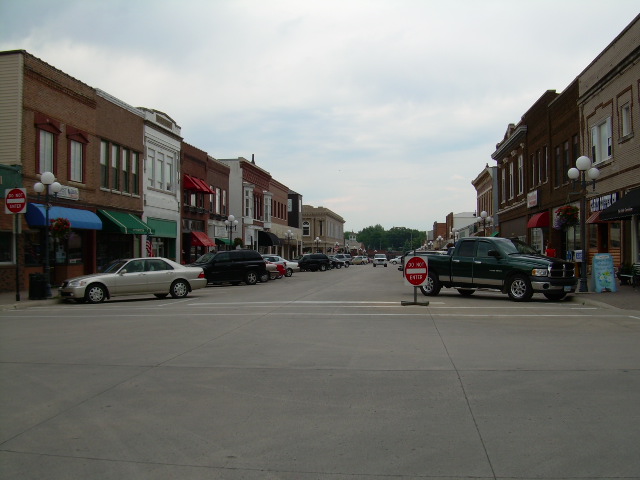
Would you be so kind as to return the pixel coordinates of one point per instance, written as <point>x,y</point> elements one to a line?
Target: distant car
<point>344,256</point>
<point>396,260</point>
<point>337,262</point>
<point>314,262</point>
<point>288,265</point>
<point>136,276</point>
<point>379,259</point>
<point>359,260</point>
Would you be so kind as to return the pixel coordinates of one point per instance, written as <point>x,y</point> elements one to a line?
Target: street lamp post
<point>585,173</point>
<point>288,236</point>
<point>317,242</point>
<point>230,225</point>
<point>48,185</point>
<point>486,220</point>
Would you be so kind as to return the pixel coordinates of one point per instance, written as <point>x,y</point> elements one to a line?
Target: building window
<point>248,203</point>
<point>534,170</point>
<point>503,185</point>
<point>217,200</point>
<point>267,209</point>
<point>76,161</point>
<point>115,166</point>
<point>558,163</point>
<point>158,171</point>
<point>135,178</point>
<point>511,181</point>
<point>6,247</point>
<point>46,149</point>
<point>601,149</point>
<point>520,174</point>
<point>625,120</point>
<point>104,164</point>
<point>168,173</point>
<point>306,229</point>
<point>125,171</point>
<point>566,155</point>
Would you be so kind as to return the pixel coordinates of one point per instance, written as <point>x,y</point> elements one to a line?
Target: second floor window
<point>104,164</point>
<point>76,161</point>
<point>115,166</point>
<point>46,151</point>
<point>520,174</point>
<point>601,147</point>
<point>306,229</point>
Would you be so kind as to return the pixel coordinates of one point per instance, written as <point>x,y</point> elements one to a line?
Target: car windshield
<point>114,266</point>
<point>513,245</point>
<point>205,258</point>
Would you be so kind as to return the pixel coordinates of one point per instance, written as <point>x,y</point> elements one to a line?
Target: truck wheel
<point>519,289</point>
<point>466,292</point>
<point>323,267</point>
<point>432,285</point>
<point>555,296</point>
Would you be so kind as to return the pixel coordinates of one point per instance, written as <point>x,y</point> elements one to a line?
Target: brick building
<point>322,230</point>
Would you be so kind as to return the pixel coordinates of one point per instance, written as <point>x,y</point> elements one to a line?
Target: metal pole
<point>583,236</point>
<point>47,268</point>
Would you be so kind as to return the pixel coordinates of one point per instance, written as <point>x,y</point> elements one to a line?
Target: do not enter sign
<point>15,200</point>
<point>416,270</point>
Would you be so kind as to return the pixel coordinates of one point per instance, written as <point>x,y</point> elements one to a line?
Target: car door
<point>487,269</point>
<point>132,280</point>
<point>462,263</point>
<point>158,276</point>
<point>222,269</point>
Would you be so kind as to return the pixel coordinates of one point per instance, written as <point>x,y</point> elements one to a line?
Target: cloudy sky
<point>382,110</point>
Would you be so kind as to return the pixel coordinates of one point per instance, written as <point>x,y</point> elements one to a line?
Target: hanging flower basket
<point>566,216</point>
<point>60,227</point>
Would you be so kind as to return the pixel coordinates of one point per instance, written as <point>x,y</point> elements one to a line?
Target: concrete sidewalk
<point>626,298</point>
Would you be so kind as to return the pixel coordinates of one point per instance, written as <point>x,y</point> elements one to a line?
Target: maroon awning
<point>539,220</point>
<point>201,239</point>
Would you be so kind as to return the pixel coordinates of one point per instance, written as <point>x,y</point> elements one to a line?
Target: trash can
<point>37,286</point>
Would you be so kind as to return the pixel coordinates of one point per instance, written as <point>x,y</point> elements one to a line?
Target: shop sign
<point>532,199</point>
<point>603,201</point>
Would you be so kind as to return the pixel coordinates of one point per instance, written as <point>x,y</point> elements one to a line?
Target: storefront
<point>72,252</point>
<point>626,211</point>
<point>163,241</point>
<point>195,244</point>
<point>120,236</point>
<point>538,226</point>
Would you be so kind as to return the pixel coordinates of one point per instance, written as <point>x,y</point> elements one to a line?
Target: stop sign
<point>416,270</point>
<point>15,200</point>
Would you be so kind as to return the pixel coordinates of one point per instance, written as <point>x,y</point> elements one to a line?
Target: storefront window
<point>6,249</point>
<point>593,236</point>
<point>614,235</point>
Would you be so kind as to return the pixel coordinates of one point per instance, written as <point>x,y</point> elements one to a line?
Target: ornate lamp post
<point>230,225</point>
<point>317,242</point>
<point>288,235</point>
<point>48,185</point>
<point>583,172</point>
<point>486,220</point>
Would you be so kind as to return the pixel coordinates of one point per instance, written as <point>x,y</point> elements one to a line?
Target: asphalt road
<point>320,376</point>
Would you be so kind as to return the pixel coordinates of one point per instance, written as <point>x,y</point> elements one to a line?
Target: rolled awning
<point>596,218</point>
<point>201,239</point>
<point>81,219</point>
<point>267,239</point>
<point>122,222</point>
<point>539,220</point>
<point>625,207</point>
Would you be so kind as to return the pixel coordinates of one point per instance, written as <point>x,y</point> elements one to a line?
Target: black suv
<point>314,262</point>
<point>234,266</point>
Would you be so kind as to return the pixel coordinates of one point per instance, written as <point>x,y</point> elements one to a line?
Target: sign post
<point>415,272</point>
<point>15,202</point>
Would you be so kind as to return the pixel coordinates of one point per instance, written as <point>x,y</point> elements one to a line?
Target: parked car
<point>396,260</point>
<point>234,266</point>
<point>379,259</point>
<point>337,262</point>
<point>288,265</point>
<point>344,256</point>
<point>314,262</point>
<point>135,276</point>
<point>359,260</point>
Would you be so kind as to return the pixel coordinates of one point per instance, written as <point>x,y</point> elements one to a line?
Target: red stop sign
<point>416,270</point>
<point>15,200</point>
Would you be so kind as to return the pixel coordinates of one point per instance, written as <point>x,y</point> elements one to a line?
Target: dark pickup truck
<point>504,264</point>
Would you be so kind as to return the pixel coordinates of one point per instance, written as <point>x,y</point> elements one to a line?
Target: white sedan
<point>135,276</point>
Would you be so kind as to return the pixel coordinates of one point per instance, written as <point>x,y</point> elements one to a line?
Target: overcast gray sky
<point>382,110</point>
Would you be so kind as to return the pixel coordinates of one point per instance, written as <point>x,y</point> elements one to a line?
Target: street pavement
<point>322,376</point>
<point>625,298</point>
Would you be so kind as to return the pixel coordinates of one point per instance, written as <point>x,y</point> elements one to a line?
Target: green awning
<point>495,234</point>
<point>222,241</point>
<point>163,228</point>
<point>122,222</point>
